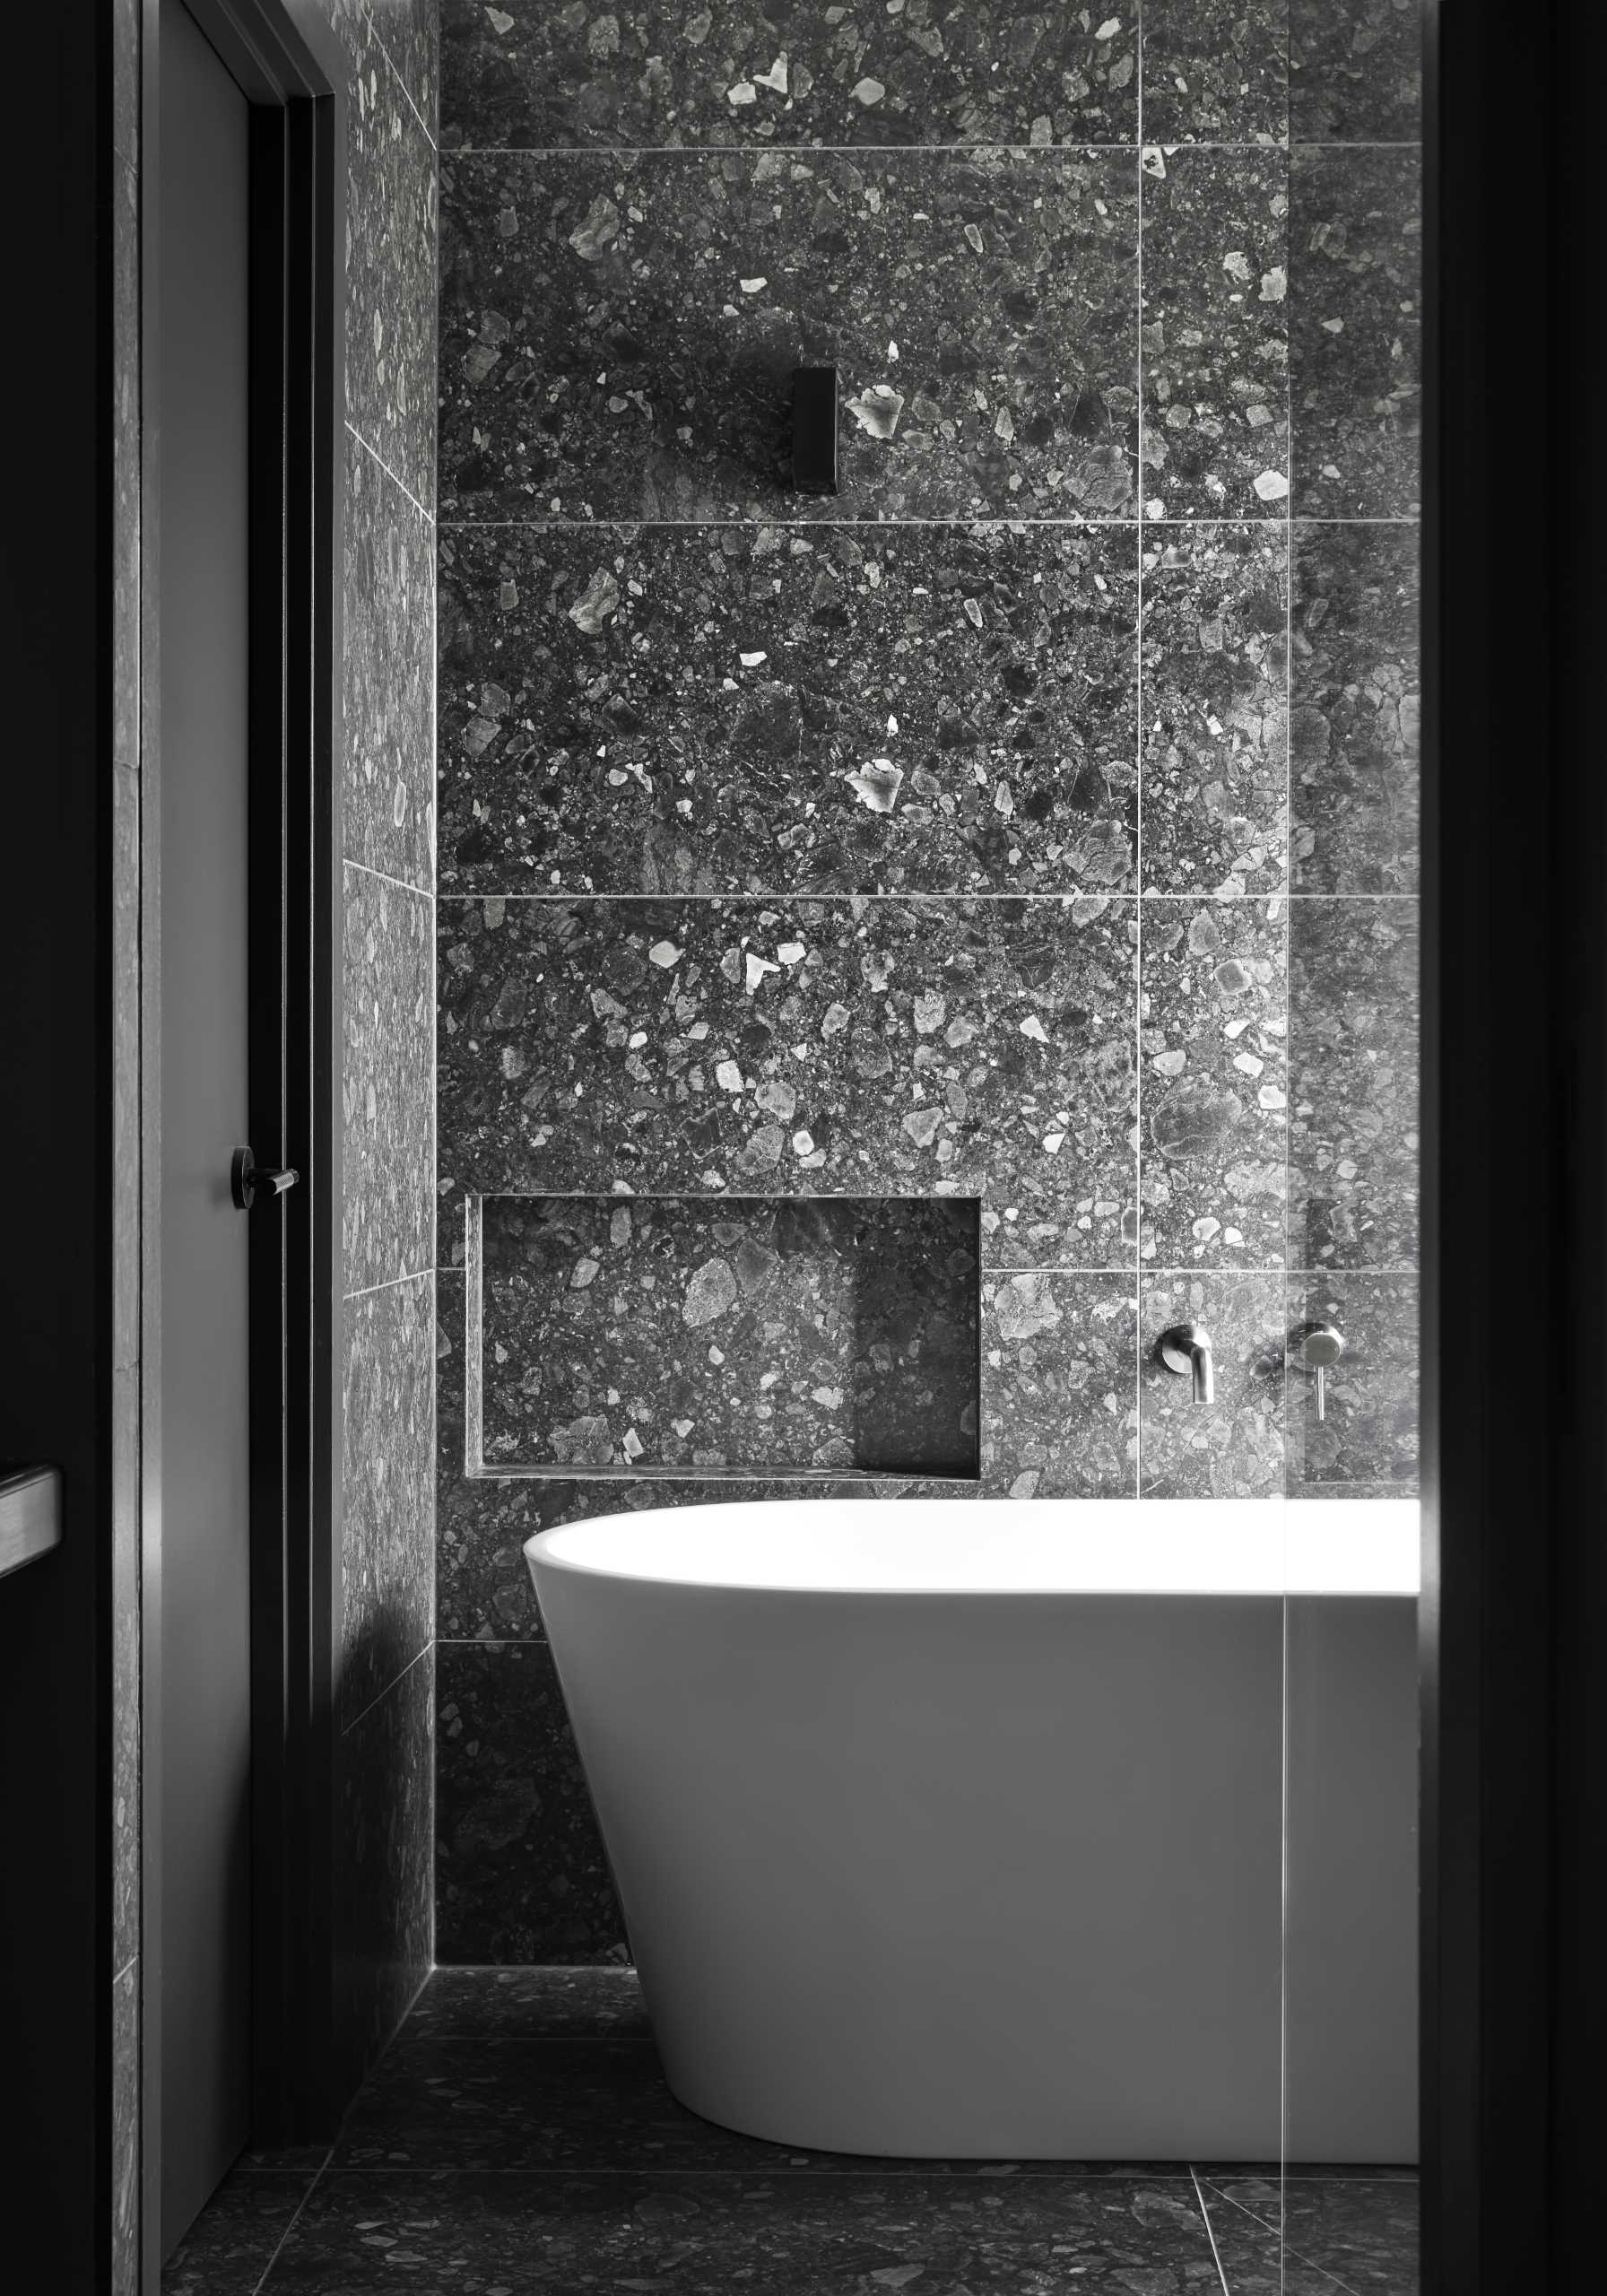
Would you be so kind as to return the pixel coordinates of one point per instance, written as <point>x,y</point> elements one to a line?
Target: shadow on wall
<point>814,1337</point>
<point>756,388</point>
<point>383,1825</point>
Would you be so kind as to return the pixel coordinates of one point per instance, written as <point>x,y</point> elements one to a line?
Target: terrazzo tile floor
<point>517,2139</point>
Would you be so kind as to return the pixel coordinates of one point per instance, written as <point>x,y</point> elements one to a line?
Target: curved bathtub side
<point>986,1876</point>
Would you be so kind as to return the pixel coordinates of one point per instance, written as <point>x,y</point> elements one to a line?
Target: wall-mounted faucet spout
<point>1321,1347</point>
<point>1187,1348</point>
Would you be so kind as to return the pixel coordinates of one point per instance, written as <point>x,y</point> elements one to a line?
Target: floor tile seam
<point>312,2187</point>
<point>1287,2254</point>
<point>1340,2174</point>
<point>272,2168</point>
<point>1210,2232</point>
<point>400,2027</point>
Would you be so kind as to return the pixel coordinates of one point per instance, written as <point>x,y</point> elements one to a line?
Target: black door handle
<point>247,1178</point>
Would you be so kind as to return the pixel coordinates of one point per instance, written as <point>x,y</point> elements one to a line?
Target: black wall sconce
<point>814,430</point>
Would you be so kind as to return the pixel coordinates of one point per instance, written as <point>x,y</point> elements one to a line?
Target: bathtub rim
<point>1362,1548</point>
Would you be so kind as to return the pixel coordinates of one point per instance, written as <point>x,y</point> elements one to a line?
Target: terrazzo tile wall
<point>1027,831</point>
<point>384,1784</point>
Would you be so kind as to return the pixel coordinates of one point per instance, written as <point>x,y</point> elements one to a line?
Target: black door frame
<point>291,70</point>
<point>1514,1680</point>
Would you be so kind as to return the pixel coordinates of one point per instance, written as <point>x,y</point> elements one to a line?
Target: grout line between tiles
<point>1210,2233</point>
<point>419,892</point>
<point>279,2246</point>
<point>414,1275</point>
<point>1276,2233</point>
<point>377,456</point>
<point>868,526</point>
<point>958,520</point>
<point>1015,520</point>
<point>400,78</point>
<point>570,897</point>
<point>380,1696</point>
<point>1000,1271</point>
<point>621,152</point>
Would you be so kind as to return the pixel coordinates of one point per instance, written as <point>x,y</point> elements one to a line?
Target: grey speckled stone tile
<point>1058,1408</point>
<point>1214,1099</point>
<point>384,1848</point>
<point>1354,320</point>
<point>124,2148</point>
<point>387,1488</point>
<point>1232,1447</point>
<point>1214,777</point>
<point>619,333</point>
<point>232,2243</point>
<point>388,788</point>
<point>125,1877</point>
<point>482,1587</point>
<point>126,17</point>
<point>126,461</point>
<point>747,709</point>
<point>123,1197</point>
<point>1215,326</point>
<point>532,2003</point>
<point>124,1044</point>
<point>391,210</point>
<point>824,1336</point>
<point>1356,72</point>
<point>388,1117</point>
<point>520,1873</point>
<point>1367,1445</point>
<point>1358,2232</point>
<point>1353,789</point>
<point>409,32</point>
<point>845,1047</point>
<point>1216,70</point>
<point>924,72</point>
<point>791,2236</point>
<point>1353,1031</point>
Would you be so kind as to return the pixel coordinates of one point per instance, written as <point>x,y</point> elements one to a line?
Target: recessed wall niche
<point>824,1337</point>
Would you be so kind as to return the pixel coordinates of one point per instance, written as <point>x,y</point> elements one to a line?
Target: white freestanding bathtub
<point>948,1828</point>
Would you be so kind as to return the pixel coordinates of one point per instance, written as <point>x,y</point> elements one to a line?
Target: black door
<point>203,1939</point>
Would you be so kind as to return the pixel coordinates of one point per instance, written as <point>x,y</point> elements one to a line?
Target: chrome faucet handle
<point>1186,1348</point>
<point>1321,1347</point>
